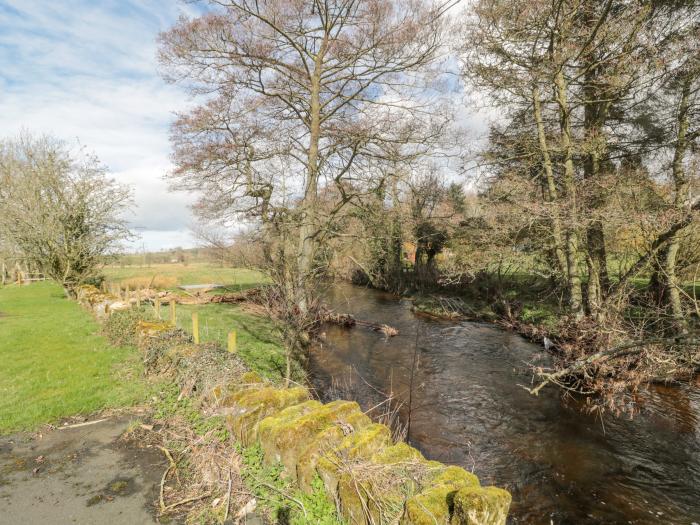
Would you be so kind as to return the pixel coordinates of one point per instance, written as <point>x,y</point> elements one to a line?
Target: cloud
<point>87,71</point>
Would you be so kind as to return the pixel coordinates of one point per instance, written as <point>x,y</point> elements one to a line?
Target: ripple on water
<point>469,409</point>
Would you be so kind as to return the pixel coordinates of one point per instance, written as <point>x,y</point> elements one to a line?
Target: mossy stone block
<point>481,506</point>
<point>324,442</point>
<point>398,453</point>
<point>361,444</point>
<point>435,503</point>
<point>247,408</point>
<point>286,440</point>
<point>248,381</point>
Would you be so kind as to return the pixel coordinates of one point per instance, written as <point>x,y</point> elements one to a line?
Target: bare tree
<point>300,98</point>
<point>59,209</point>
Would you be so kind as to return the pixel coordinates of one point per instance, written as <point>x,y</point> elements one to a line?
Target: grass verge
<point>258,342</point>
<point>54,361</point>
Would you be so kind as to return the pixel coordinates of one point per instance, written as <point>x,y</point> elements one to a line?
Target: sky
<point>86,71</point>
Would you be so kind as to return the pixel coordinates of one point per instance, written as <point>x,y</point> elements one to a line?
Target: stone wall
<point>372,479</point>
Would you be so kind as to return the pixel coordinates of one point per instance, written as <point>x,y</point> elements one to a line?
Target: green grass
<point>194,273</point>
<point>259,345</point>
<point>55,363</point>
<point>258,342</point>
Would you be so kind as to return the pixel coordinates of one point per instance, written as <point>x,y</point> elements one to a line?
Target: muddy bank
<point>85,475</point>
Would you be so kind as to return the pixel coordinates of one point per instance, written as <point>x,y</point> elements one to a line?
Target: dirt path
<point>82,475</point>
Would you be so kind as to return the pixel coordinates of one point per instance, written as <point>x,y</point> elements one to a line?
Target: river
<point>468,408</point>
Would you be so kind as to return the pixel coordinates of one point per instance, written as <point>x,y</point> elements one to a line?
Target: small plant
<point>286,503</point>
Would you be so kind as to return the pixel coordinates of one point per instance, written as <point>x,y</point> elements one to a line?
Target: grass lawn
<point>194,273</point>
<point>54,363</point>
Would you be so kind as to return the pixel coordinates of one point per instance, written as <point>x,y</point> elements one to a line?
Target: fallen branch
<point>78,425</point>
<point>172,465</point>
<point>348,321</point>
<point>634,347</point>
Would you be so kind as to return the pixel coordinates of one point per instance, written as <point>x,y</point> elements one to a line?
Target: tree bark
<point>681,203</point>
<point>575,298</point>
<point>552,196</point>
<point>309,207</point>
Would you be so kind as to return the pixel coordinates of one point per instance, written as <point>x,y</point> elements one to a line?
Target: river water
<point>467,408</point>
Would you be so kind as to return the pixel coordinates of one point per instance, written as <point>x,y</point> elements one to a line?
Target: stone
<point>435,503</point>
<point>247,408</point>
<point>285,440</point>
<point>481,506</point>
<point>324,442</point>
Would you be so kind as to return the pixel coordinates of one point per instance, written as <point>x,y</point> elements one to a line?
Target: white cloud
<point>87,71</point>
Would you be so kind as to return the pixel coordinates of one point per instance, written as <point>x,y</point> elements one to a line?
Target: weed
<point>281,499</point>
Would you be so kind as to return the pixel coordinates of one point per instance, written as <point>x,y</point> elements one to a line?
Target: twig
<point>172,465</point>
<point>287,496</point>
<point>78,425</point>
<point>228,496</point>
<point>184,501</point>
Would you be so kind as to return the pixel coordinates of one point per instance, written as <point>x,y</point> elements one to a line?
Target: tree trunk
<point>308,229</point>
<point>595,115</point>
<point>552,197</point>
<point>575,298</point>
<point>681,203</point>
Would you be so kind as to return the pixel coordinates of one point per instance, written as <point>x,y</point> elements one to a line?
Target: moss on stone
<point>362,444</point>
<point>251,378</point>
<point>454,476</point>
<point>399,453</point>
<point>248,381</point>
<point>285,440</point>
<point>324,442</point>
<point>481,506</point>
<point>153,328</point>
<point>435,503</point>
<point>247,408</point>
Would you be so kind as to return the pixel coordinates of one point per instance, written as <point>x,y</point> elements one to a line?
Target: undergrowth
<point>285,503</point>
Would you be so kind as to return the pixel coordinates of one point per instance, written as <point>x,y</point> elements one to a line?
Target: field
<point>175,274</point>
<point>258,342</point>
<point>55,363</point>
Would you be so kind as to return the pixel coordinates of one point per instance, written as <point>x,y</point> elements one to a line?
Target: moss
<point>247,408</point>
<point>153,328</point>
<point>399,453</point>
<point>248,381</point>
<point>250,378</point>
<point>454,476</point>
<point>481,506</point>
<point>357,445</point>
<point>285,440</point>
<point>324,442</point>
<point>435,503</point>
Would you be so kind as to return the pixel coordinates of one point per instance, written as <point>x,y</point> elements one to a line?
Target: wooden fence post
<point>156,305</point>
<point>173,319</point>
<point>195,327</point>
<point>232,342</point>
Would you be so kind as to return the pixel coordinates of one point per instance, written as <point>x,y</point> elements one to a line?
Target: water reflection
<point>468,408</point>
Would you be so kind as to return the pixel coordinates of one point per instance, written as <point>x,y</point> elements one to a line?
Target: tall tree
<point>315,85</point>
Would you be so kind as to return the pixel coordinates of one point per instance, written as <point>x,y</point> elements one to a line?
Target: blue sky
<point>86,71</point>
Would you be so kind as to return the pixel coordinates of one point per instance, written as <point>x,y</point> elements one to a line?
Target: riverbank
<point>332,454</point>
